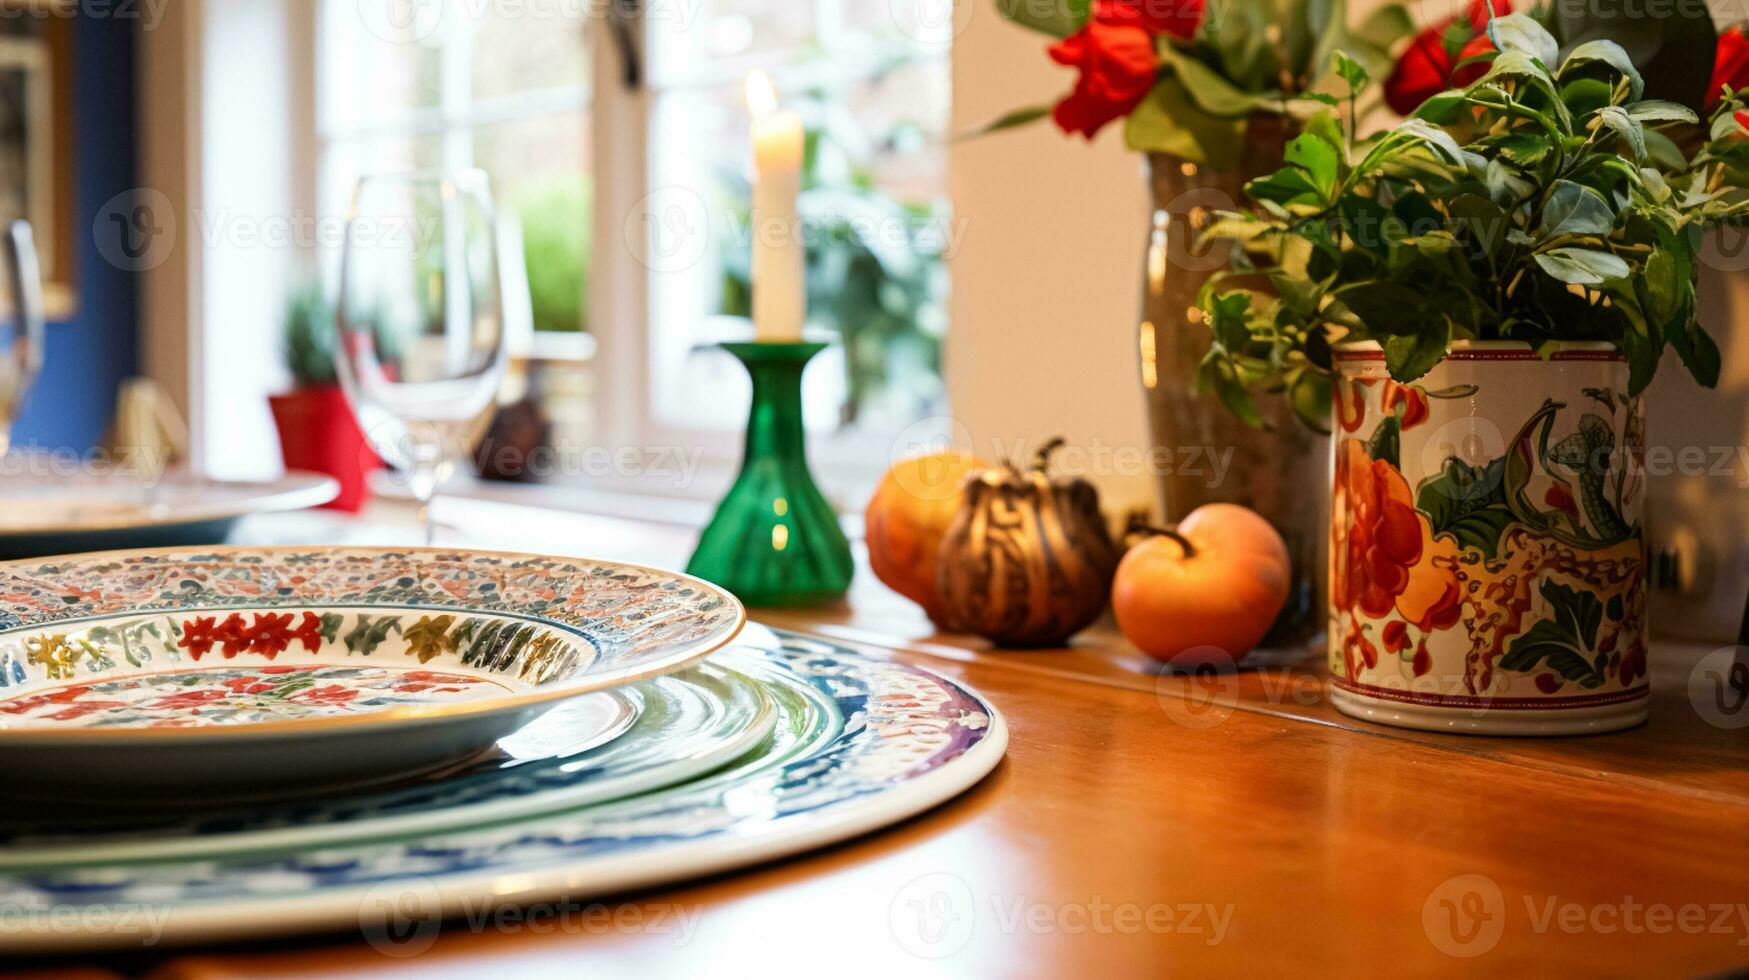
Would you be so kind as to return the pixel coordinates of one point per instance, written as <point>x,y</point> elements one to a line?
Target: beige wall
<point>1047,279</point>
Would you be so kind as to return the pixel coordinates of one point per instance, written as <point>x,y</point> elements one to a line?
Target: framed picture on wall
<point>36,126</point>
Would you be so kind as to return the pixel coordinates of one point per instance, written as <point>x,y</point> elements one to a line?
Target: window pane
<point>875,225</point>
<point>723,38</point>
<point>538,168</point>
<point>528,48</point>
<point>373,67</point>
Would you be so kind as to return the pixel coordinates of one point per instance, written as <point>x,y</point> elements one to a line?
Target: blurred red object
<point>317,432</point>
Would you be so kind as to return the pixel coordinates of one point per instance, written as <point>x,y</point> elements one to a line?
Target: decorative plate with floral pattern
<point>152,674</point>
<point>903,739</point>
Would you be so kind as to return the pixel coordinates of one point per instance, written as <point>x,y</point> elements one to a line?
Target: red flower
<point>1426,68</point>
<point>1742,117</point>
<point>271,634</point>
<point>1179,18</point>
<point>1423,661</point>
<point>1633,663</point>
<point>310,632</point>
<point>189,699</point>
<point>1396,636</point>
<point>198,636</point>
<point>1413,400</point>
<point>1117,69</point>
<point>234,634</point>
<point>333,694</point>
<point>1730,67</point>
<point>248,684</point>
<point>1384,534</point>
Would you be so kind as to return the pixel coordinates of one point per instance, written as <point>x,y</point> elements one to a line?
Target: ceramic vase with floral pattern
<point>1486,563</point>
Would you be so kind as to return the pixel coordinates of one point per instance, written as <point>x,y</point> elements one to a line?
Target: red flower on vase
<point>1730,68</point>
<point>1384,533</point>
<point>1411,399</point>
<point>1428,67</point>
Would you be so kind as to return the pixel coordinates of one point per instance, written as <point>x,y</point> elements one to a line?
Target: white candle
<point>779,292</point>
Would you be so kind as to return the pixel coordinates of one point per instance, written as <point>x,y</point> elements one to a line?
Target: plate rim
<point>604,875</point>
<point>337,724</point>
<point>295,490</point>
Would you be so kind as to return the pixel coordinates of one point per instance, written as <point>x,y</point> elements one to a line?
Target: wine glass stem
<point>427,467</point>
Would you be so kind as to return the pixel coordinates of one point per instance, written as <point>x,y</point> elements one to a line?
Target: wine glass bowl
<point>421,334</point>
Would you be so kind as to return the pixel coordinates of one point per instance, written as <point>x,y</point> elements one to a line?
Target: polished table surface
<point>1146,825</point>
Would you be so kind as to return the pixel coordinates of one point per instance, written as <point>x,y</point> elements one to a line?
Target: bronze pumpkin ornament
<point>1027,561</point>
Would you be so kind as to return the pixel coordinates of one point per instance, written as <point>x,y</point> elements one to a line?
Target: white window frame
<point>619,302</point>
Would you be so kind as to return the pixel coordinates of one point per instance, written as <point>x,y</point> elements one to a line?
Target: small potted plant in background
<point>317,430</point>
<point>1484,315</point>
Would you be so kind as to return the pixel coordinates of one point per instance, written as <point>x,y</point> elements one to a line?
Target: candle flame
<point>761,96</point>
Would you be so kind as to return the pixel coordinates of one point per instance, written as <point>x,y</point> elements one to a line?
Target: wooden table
<point>1141,826</point>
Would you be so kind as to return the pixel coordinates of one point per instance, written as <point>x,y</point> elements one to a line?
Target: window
<point>508,87</point>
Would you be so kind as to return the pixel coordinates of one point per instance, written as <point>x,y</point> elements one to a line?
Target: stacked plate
<point>211,744</point>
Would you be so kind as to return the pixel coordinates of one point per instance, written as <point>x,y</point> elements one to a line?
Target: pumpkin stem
<point>1169,532</point>
<point>1041,460</point>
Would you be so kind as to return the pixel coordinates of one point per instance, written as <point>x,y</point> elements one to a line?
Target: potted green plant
<point>1209,93</point>
<point>317,430</point>
<point>1482,293</point>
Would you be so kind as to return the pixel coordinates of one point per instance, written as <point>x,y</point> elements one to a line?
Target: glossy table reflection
<point>1143,825</point>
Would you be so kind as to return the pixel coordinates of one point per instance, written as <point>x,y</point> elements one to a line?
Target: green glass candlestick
<point>774,540</point>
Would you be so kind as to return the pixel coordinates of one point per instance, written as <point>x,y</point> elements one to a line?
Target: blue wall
<point>87,356</point>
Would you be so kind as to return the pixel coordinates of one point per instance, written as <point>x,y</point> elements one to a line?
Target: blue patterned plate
<point>140,676</point>
<point>908,740</point>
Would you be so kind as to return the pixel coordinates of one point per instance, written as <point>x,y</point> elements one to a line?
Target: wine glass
<point>420,322</point>
<point>21,326</point>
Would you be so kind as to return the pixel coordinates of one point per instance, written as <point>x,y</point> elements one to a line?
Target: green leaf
<point>1575,209</point>
<point>1234,396</point>
<point>1663,152</point>
<point>1606,53</point>
<point>1167,121</point>
<point>1468,504</point>
<point>1443,108</point>
<point>1351,71</point>
<point>1409,357</point>
<point>1519,32</point>
<point>1629,128</point>
<point>1661,111</point>
<point>1387,441</point>
<point>1581,266</point>
<point>1289,185</point>
<point>1010,120</point>
<point>1384,307</point>
<point>1210,90</point>
<point>1662,284</point>
<point>1058,18</point>
<point>1698,353</point>
<point>1523,148</point>
<point>1578,613</point>
<point>1317,158</point>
